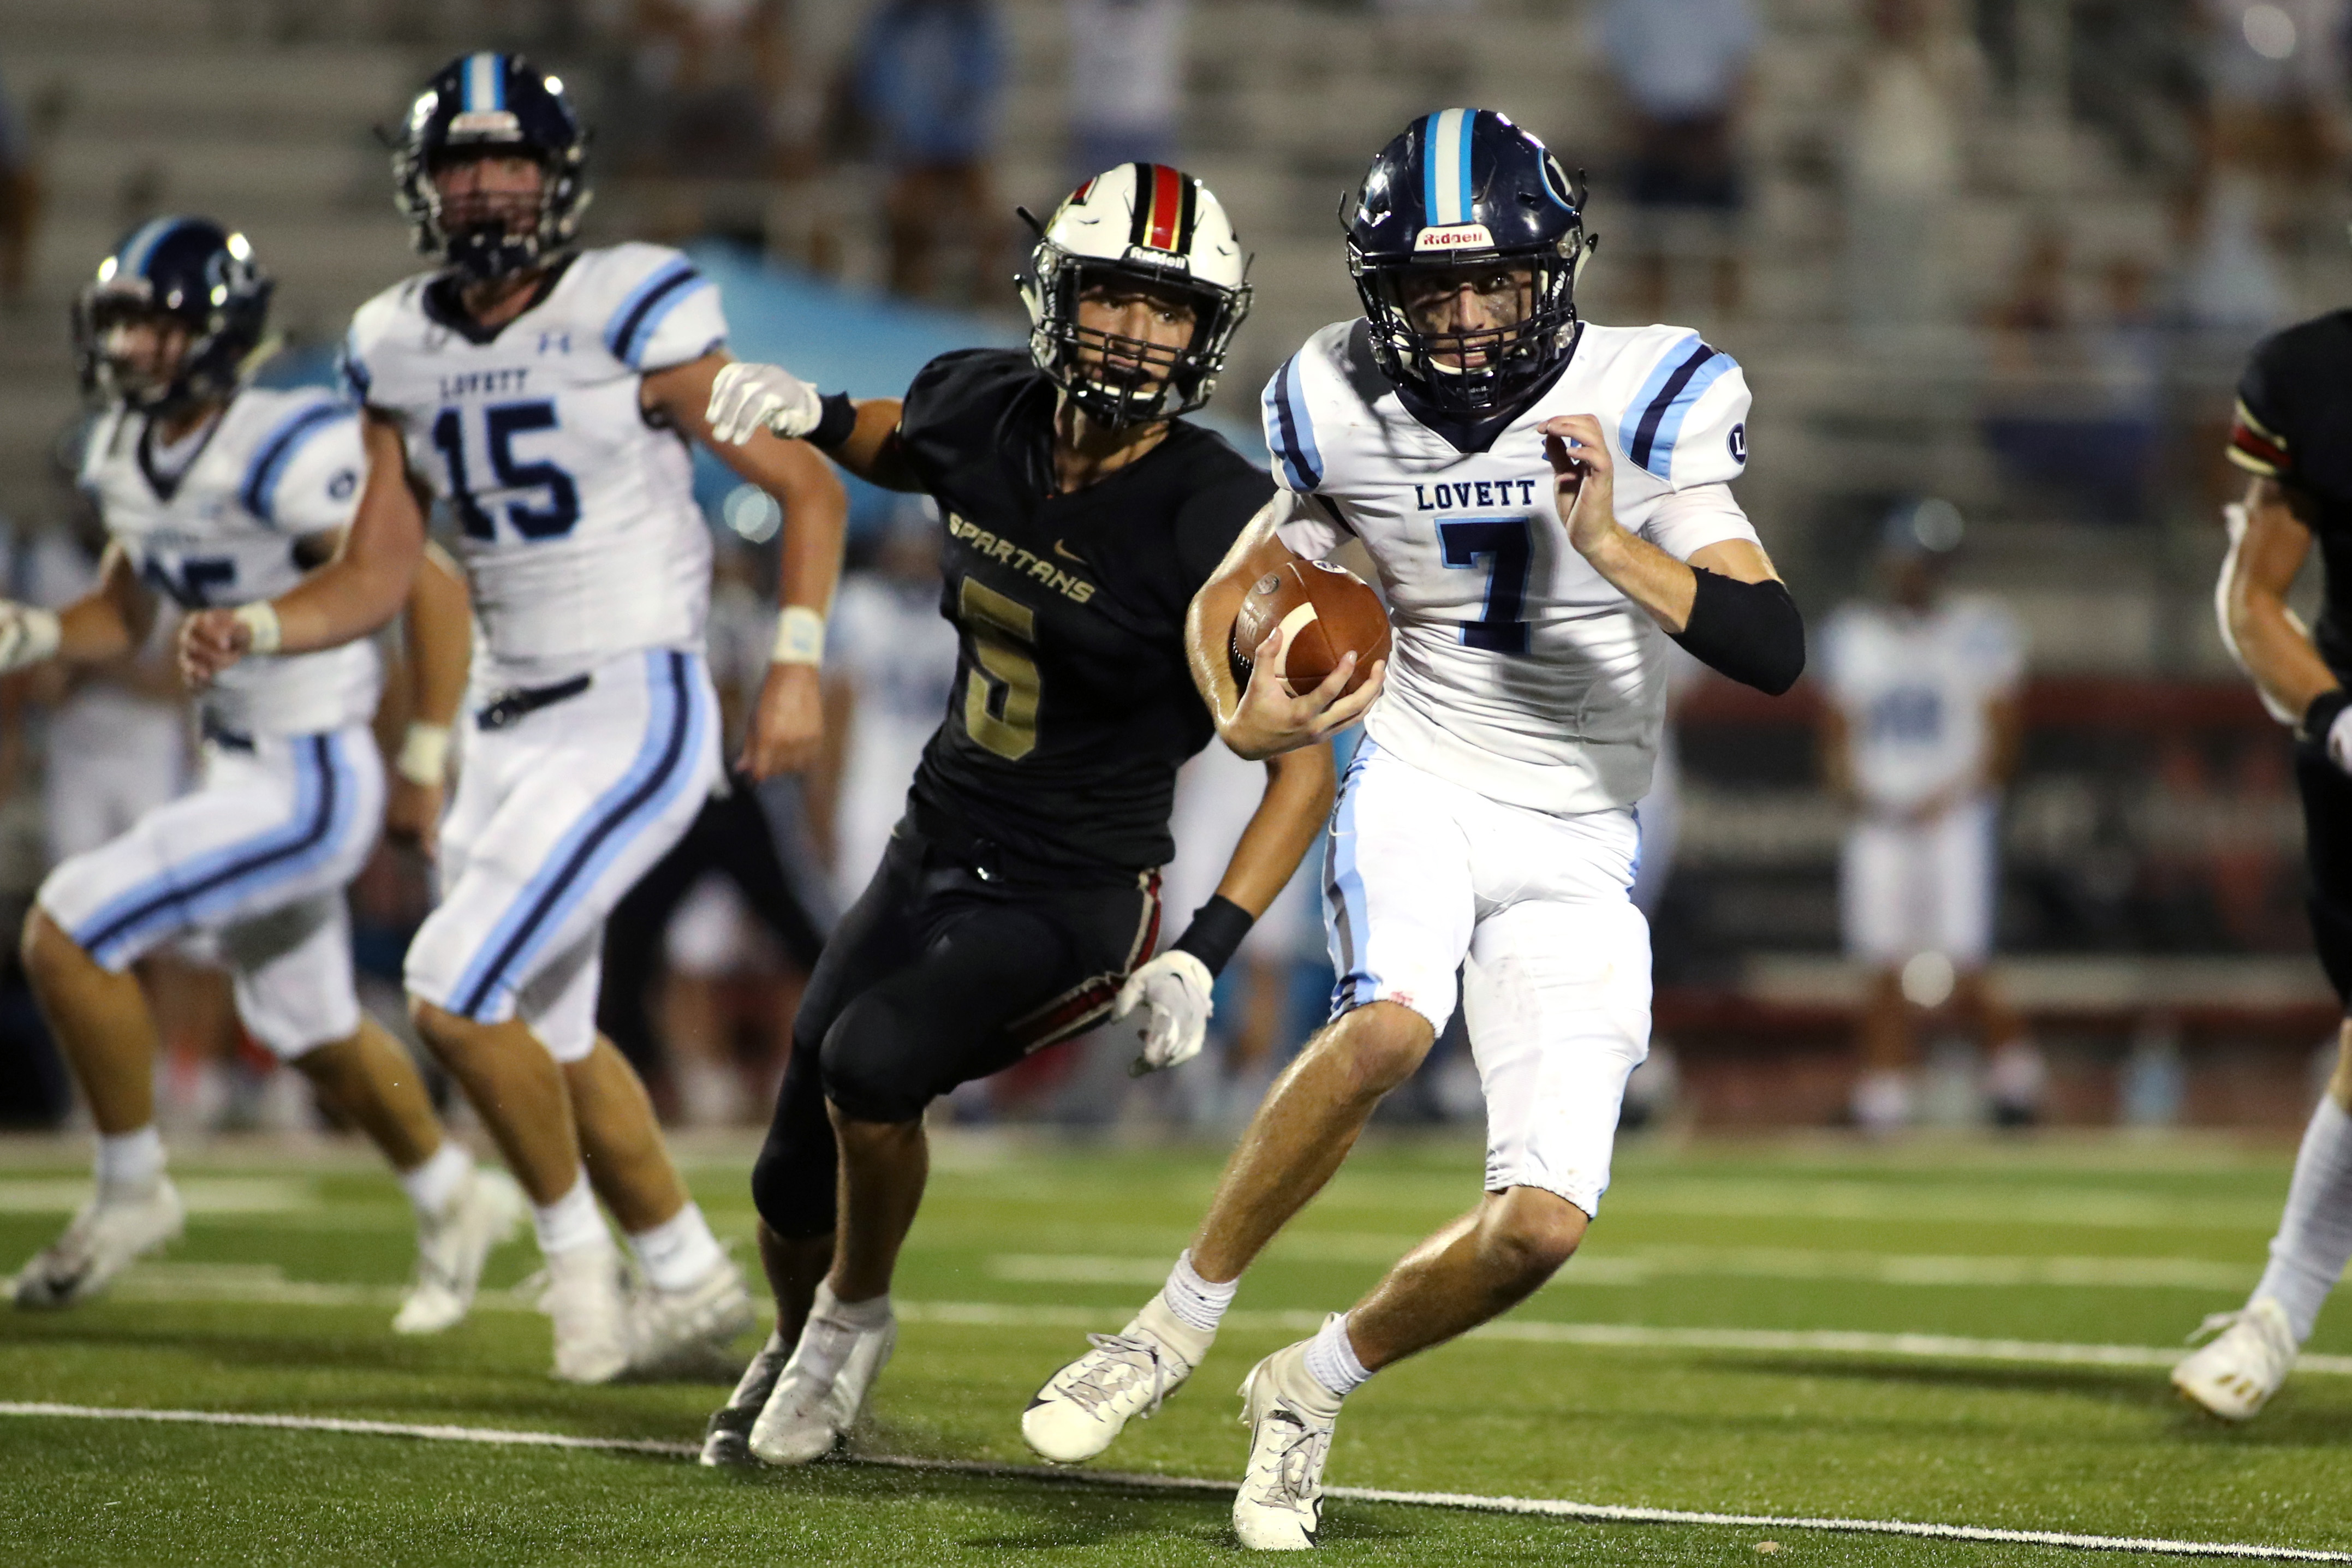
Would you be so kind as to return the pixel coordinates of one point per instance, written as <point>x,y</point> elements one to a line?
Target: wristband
<point>800,637</point>
<point>2321,715</point>
<point>1217,929</point>
<point>259,620</point>
<point>835,423</point>
<point>27,635</point>
<point>425,754</point>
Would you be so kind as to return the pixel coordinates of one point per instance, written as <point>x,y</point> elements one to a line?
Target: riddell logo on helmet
<point>1455,236</point>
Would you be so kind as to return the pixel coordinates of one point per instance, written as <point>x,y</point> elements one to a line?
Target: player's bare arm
<point>1744,631</point>
<point>788,725</point>
<point>352,595</point>
<point>1266,718</point>
<point>2265,635</point>
<point>108,623</point>
<point>440,637</point>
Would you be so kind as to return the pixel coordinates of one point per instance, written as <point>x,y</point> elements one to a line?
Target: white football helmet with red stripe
<point>1141,223</point>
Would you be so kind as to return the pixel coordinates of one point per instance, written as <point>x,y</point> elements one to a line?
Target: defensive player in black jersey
<point>2294,434</point>
<point>1020,895</point>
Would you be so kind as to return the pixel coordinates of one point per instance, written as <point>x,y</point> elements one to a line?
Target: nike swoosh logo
<point>1067,553</point>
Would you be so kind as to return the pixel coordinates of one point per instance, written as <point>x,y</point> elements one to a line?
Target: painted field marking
<point>1554,1508</point>
<point>262,1284</point>
<point>1641,1265</point>
<point>202,1194</point>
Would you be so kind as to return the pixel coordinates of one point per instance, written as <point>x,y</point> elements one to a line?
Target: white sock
<point>2314,1234</point>
<point>869,1313</point>
<point>130,1162</point>
<point>678,1251</point>
<point>570,1221</point>
<point>1331,1359</point>
<point>1196,1302</point>
<point>431,1185</point>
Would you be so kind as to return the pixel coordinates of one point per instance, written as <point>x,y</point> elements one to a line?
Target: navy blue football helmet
<point>1463,188</point>
<point>485,104</point>
<point>199,275</point>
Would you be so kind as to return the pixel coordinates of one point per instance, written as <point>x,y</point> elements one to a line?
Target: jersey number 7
<point>1502,542</point>
<point>502,423</point>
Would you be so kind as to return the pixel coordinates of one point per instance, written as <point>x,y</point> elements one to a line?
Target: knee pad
<point>793,1180</point>
<point>869,1070</point>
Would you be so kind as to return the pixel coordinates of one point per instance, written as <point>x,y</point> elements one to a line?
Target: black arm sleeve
<point>1749,631</point>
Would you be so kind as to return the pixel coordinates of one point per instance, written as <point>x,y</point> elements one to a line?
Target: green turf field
<point>277,1300</point>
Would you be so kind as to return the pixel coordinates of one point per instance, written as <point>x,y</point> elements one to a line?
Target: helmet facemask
<point>487,234</point>
<point>1470,360</point>
<point>1114,379</point>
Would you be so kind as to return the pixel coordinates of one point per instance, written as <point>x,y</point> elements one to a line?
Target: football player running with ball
<point>547,397</point>
<point>1019,896</point>
<point>216,493</point>
<point>1546,500</point>
<point>2293,435</point>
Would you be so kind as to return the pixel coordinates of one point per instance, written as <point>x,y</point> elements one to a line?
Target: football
<point>1330,613</point>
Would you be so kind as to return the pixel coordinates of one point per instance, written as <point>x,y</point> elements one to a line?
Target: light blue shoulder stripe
<point>632,323</point>
<point>1290,430</point>
<point>1670,425</point>
<point>1628,429</point>
<point>277,451</point>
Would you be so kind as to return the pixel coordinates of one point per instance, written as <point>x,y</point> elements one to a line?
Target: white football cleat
<point>821,1389</point>
<point>1290,1416</point>
<point>110,1232</point>
<point>727,1436</point>
<point>2236,1375</point>
<point>452,1247</point>
<point>585,1295</point>
<point>689,1333</point>
<point>1083,1407</point>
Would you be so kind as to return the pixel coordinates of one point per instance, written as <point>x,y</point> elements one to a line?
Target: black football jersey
<point>2295,425</point>
<point>1072,706</point>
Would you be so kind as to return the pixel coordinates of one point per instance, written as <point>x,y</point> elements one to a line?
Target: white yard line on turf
<point>1832,1342</point>
<point>1642,1265</point>
<point>1554,1508</point>
<point>263,1284</point>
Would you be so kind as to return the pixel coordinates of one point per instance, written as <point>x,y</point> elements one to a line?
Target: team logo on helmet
<point>1139,226</point>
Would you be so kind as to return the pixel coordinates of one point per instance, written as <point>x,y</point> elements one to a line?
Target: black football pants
<point>2327,851</point>
<point>937,977</point>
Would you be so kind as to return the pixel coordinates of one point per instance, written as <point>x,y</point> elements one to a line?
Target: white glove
<point>2339,745</point>
<point>27,635</point>
<point>747,397</point>
<point>1174,990</point>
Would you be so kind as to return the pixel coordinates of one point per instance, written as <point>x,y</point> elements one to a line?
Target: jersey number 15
<point>502,423</point>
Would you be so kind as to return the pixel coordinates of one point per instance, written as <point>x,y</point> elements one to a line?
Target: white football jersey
<point>1913,688</point>
<point>275,467</point>
<point>576,514</point>
<point>1517,671</point>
